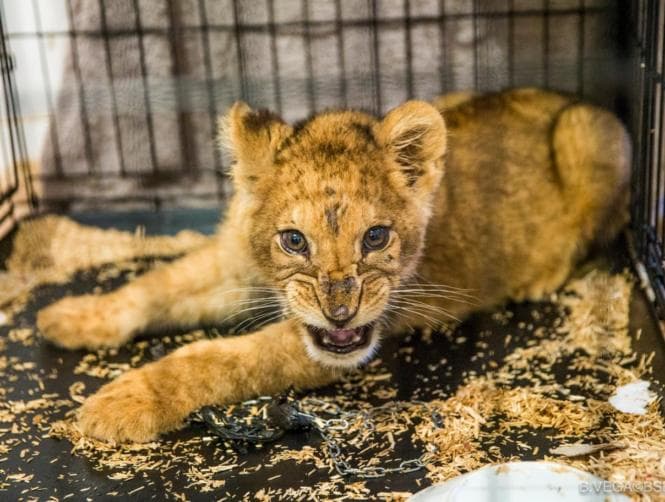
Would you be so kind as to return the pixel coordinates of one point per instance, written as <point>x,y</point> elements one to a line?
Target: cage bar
<point>15,171</point>
<point>648,182</point>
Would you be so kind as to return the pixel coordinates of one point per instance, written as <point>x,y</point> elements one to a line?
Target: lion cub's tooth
<point>327,340</point>
<point>356,338</point>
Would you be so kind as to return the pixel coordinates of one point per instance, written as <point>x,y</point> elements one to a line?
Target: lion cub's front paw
<point>127,409</point>
<point>85,322</point>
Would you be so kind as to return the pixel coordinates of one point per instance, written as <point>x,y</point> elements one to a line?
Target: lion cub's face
<point>336,212</point>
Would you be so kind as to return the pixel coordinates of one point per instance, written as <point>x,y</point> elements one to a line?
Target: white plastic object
<point>522,482</point>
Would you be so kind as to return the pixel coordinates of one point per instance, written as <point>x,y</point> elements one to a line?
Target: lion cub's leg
<point>156,398</point>
<point>593,154</point>
<point>200,287</point>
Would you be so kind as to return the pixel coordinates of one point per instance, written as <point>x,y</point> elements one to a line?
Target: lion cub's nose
<point>341,297</point>
<point>341,313</point>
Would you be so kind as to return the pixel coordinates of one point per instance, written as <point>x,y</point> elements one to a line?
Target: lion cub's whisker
<point>254,301</point>
<point>427,307</point>
<point>263,306</point>
<point>413,296</point>
<point>428,284</point>
<point>429,320</point>
<point>435,290</point>
<point>271,315</point>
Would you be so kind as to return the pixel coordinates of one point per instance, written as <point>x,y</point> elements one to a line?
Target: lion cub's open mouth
<point>343,340</point>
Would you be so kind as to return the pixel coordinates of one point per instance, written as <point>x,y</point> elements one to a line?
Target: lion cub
<point>346,227</point>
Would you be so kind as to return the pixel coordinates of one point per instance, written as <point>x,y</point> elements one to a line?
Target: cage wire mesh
<point>648,197</point>
<point>119,100</point>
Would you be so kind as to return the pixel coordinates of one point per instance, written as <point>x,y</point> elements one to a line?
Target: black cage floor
<point>36,466</point>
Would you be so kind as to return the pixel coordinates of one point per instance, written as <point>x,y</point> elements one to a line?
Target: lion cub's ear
<point>252,137</point>
<point>414,133</point>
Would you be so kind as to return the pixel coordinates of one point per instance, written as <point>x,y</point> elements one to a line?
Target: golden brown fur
<point>530,179</point>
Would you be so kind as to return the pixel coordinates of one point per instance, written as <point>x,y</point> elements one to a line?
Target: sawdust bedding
<point>506,389</point>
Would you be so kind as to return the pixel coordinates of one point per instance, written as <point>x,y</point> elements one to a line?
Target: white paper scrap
<point>633,397</point>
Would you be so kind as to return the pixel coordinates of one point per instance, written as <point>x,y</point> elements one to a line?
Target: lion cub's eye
<point>376,238</point>
<point>293,242</point>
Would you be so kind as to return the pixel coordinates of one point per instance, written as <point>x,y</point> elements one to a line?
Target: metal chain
<point>343,467</point>
<point>342,423</point>
<point>341,420</point>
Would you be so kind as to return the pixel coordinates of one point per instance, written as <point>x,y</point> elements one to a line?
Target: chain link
<point>342,422</point>
<point>326,419</point>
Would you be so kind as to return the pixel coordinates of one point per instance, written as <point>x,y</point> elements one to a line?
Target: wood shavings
<point>126,461</point>
<point>525,408</point>
<point>305,454</point>
<point>203,481</point>
<point>595,324</point>
<point>20,477</point>
<point>58,246</point>
<point>52,248</point>
<point>76,392</point>
<point>550,376</point>
<point>394,496</point>
<point>23,336</point>
<point>327,490</point>
<point>14,286</point>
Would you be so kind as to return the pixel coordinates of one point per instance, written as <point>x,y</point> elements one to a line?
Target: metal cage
<point>127,106</point>
<point>120,99</point>
<point>648,102</point>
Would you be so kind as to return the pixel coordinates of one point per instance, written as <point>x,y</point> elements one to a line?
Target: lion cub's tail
<point>592,153</point>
